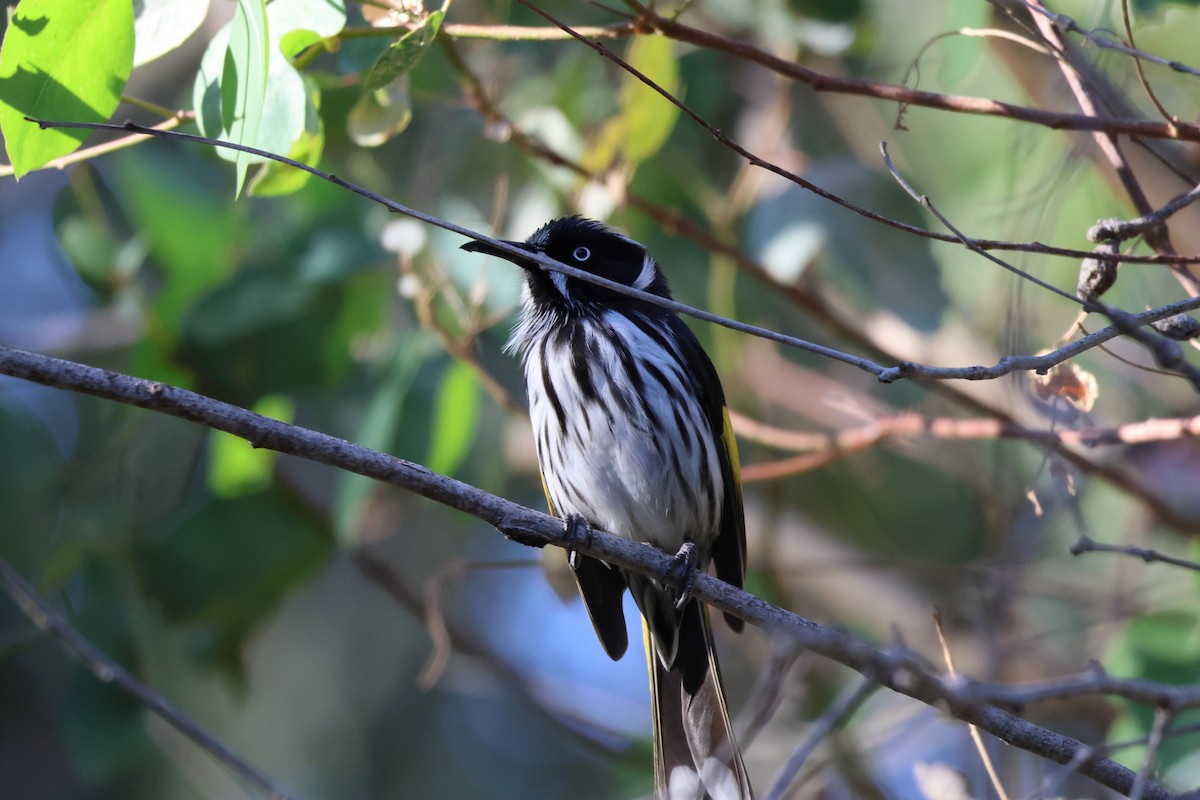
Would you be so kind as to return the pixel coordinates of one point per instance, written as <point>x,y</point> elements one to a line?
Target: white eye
<point>581,254</point>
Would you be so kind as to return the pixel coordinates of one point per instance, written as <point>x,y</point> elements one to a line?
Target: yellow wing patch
<point>731,448</point>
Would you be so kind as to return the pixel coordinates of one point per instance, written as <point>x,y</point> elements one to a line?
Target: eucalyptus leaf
<point>456,417</point>
<point>244,71</point>
<point>163,25</point>
<point>400,58</point>
<point>61,60</point>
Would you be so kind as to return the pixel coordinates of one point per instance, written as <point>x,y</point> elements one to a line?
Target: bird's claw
<point>578,533</point>
<point>683,572</point>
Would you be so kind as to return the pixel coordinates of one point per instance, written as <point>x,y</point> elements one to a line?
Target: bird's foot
<point>682,573</point>
<point>578,533</point>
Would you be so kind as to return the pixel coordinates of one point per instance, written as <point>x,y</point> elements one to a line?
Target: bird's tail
<point>696,756</point>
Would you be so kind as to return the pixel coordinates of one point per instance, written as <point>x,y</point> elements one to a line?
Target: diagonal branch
<point>792,177</point>
<point>981,704</point>
<point>822,82</point>
<point>818,307</point>
<point>51,622</point>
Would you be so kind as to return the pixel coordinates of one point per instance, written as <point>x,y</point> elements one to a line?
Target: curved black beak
<point>491,250</point>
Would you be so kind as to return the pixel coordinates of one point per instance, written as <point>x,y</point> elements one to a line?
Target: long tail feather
<point>696,756</point>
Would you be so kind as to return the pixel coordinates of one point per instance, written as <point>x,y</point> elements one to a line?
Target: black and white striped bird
<point>633,437</point>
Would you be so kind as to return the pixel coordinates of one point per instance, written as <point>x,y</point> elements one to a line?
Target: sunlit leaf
<point>276,179</point>
<point>288,109</point>
<point>61,60</point>
<point>646,118</point>
<point>296,24</point>
<point>163,25</point>
<point>244,79</point>
<point>237,468</point>
<point>455,418</point>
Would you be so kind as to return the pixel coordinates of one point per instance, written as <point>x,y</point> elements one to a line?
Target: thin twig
<point>1118,230</point>
<point>435,620</point>
<point>1141,73</point>
<point>467,643</point>
<point>839,84</point>
<point>1050,783</point>
<point>1162,718</point>
<point>913,424</point>
<point>88,153</point>
<point>823,726</point>
<point>1100,40</point>
<point>1167,353</point>
<point>1086,544</point>
<point>980,747</point>
<point>750,157</point>
<point>496,33</point>
<point>904,370</point>
<point>924,201</point>
<point>51,622</point>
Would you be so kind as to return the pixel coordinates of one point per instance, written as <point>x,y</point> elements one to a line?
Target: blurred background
<point>354,641</point>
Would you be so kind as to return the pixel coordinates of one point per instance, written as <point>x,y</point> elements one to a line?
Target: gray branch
<point>49,621</point>
<point>982,704</point>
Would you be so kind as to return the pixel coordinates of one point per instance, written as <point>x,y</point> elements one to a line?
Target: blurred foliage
<point>224,576</point>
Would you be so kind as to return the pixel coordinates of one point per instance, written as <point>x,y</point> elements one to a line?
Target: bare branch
<point>819,308</point>
<point>980,747</point>
<point>978,703</point>
<point>1137,65</point>
<point>837,713</point>
<point>757,161</point>
<point>1162,719</point>
<point>88,153</point>
<point>1088,545</point>
<point>913,424</point>
<point>495,33</point>
<point>51,622</point>
<point>821,82</point>
<point>466,643</point>
<point>1100,40</point>
<point>1166,352</point>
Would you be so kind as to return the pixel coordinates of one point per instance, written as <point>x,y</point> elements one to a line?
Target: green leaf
<point>296,24</point>
<point>646,119</point>
<point>645,114</point>
<point>288,110</point>
<point>405,53</point>
<point>163,25</point>
<point>191,235</point>
<point>236,467</point>
<point>104,732</point>
<point>244,79</point>
<point>381,114</point>
<point>456,416</point>
<point>378,430</point>
<point>228,566</point>
<point>61,60</point>
<point>275,179</point>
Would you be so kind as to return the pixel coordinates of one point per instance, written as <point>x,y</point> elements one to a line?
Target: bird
<point>633,437</point>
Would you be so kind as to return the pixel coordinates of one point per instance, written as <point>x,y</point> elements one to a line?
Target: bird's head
<point>587,245</point>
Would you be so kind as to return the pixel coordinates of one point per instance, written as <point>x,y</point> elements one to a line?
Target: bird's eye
<point>581,254</point>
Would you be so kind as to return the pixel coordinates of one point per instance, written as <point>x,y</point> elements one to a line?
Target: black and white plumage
<point>633,436</point>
